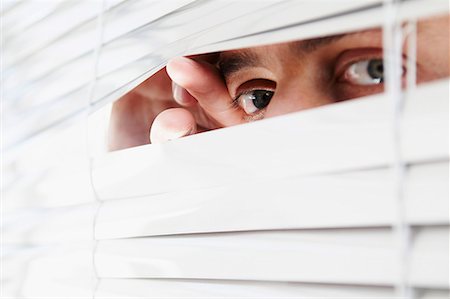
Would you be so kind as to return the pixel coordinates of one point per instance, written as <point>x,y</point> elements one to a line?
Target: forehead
<point>235,60</point>
<point>300,46</point>
<point>232,61</point>
<point>255,55</point>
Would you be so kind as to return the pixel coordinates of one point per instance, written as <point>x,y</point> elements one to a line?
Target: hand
<point>198,87</point>
<point>197,100</point>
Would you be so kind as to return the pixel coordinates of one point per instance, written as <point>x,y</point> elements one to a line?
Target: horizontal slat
<point>25,127</point>
<point>57,272</point>
<point>50,226</point>
<point>430,259</point>
<point>69,15</point>
<point>370,15</point>
<point>14,22</point>
<point>53,169</point>
<point>7,5</point>
<point>33,41</point>
<point>71,53</point>
<point>15,259</point>
<point>358,132</point>
<point>55,187</point>
<point>179,288</point>
<point>363,256</point>
<point>72,50</point>
<point>358,199</point>
<point>432,294</point>
<point>65,143</point>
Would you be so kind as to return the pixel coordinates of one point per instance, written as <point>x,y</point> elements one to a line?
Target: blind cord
<point>411,75</point>
<point>392,41</point>
<point>96,57</point>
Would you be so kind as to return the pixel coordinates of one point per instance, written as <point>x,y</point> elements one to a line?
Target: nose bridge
<point>300,90</point>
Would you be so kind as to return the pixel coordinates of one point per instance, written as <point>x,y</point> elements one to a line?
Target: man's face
<point>278,79</point>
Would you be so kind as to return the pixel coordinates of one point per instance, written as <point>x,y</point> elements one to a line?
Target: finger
<point>204,82</point>
<point>172,124</point>
<point>182,96</point>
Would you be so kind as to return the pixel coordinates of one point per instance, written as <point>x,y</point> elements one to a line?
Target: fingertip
<point>195,76</point>
<point>178,69</point>
<point>171,124</point>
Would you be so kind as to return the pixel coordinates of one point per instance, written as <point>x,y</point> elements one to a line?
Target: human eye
<point>365,72</point>
<point>360,72</point>
<point>254,96</point>
<point>253,101</point>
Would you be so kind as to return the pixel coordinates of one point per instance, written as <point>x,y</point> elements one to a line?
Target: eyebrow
<point>235,61</point>
<point>310,45</point>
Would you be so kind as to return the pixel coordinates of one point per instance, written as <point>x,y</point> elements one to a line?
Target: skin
<point>192,95</point>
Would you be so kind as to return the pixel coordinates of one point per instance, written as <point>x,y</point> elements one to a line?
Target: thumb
<point>172,124</point>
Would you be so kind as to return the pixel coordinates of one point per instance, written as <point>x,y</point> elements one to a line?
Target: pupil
<point>375,69</point>
<point>261,98</point>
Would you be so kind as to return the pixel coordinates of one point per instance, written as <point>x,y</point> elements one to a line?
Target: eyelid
<point>235,80</point>
<point>255,84</point>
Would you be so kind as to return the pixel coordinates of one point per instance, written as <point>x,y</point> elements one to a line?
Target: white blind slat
<point>60,272</point>
<point>50,226</point>
<point>68,47</point>
<point>359,199</point>
<point>364,15</point>
<point>184,288</point>
<point>364,256</point>
<point>13,18</point>
<point>354,261</point>
<point>161,288</point>
<point>69,15</point>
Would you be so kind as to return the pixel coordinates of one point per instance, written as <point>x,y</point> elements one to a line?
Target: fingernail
<point>177,92</point>
<point>182,96</point>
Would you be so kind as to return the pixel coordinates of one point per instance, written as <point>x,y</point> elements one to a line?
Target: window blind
<point>127,58</point>
<point>196,217</point>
